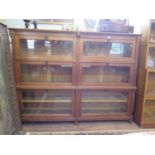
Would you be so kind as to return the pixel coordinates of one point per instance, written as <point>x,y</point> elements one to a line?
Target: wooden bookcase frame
<point>77,61</point>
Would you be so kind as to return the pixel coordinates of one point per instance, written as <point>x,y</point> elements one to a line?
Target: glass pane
<point>46,48</point>
<point>149,112</point>
<point>105,74</point>
<point>104,102</point>
<point>47,73</point>
<point>107,49</point>
<point>47,102</point>
<point>152,33</point>
<point>151,57</point>
<point>150,88</point>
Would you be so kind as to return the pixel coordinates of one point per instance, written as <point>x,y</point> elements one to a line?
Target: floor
<point>84,128</point>
<point>0,127</point>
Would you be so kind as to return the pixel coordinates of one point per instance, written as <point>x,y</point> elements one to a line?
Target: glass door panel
<point>47,73</point>
<point>151,57</point>
<point>104,49</point>
<point>46,102</point>
<point>150,86</point>
<point>149,111</point>
<point>51,48</point>
<point>104,102</point>
<point>105,74</point>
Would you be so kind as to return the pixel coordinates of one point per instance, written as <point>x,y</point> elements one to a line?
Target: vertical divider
<point>77,78</point>
<point>77,105</point>
<point>130,105</point>
<point>19,94</point>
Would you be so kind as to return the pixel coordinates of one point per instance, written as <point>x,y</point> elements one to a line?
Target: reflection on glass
<point>105,74</point>
<point>30,44</point>
<point>104,102</point>
<point>152,33</point>
<point>149,111</point>
<point>47,102</point>
<point>150,87</point>
<point>151,57</point>
<point>46,48</point>
<point>47,73</point>
<point>107,49</point>
<point>116,49</point>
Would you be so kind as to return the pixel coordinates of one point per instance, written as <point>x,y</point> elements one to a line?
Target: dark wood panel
<point>65,87</point>
<point>44,118</point>
<point>104,117</point>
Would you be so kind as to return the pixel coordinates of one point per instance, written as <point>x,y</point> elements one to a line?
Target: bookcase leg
<point>75,122</point>
<point>131,120</point>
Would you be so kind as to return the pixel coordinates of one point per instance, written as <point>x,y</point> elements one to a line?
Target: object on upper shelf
<point>27,22</point>
<point>118,25</point>
<point>61,24</point>
<point>35,23</point>
<point>115,21</point>
<point>90,24</point>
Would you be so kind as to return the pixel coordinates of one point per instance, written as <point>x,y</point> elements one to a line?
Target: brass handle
<point>108,38</point>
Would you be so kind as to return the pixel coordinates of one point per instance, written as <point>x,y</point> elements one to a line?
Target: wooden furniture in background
<point>75,76</point>
<point>145,107</point>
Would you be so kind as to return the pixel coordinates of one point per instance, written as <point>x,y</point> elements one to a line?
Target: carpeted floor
<point>0,127</point>
<point>84,128</point>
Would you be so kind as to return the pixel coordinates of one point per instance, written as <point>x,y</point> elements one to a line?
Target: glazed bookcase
<point>145,109</point>
<point>74,76</point>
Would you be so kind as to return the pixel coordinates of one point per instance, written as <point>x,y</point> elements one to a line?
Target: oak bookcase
<point>145,109</point>
<point>75,76</point>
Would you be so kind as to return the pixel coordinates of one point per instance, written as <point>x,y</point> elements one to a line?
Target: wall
<point>19,23</point>
<point>8,101</point>
<point>138,23</point>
